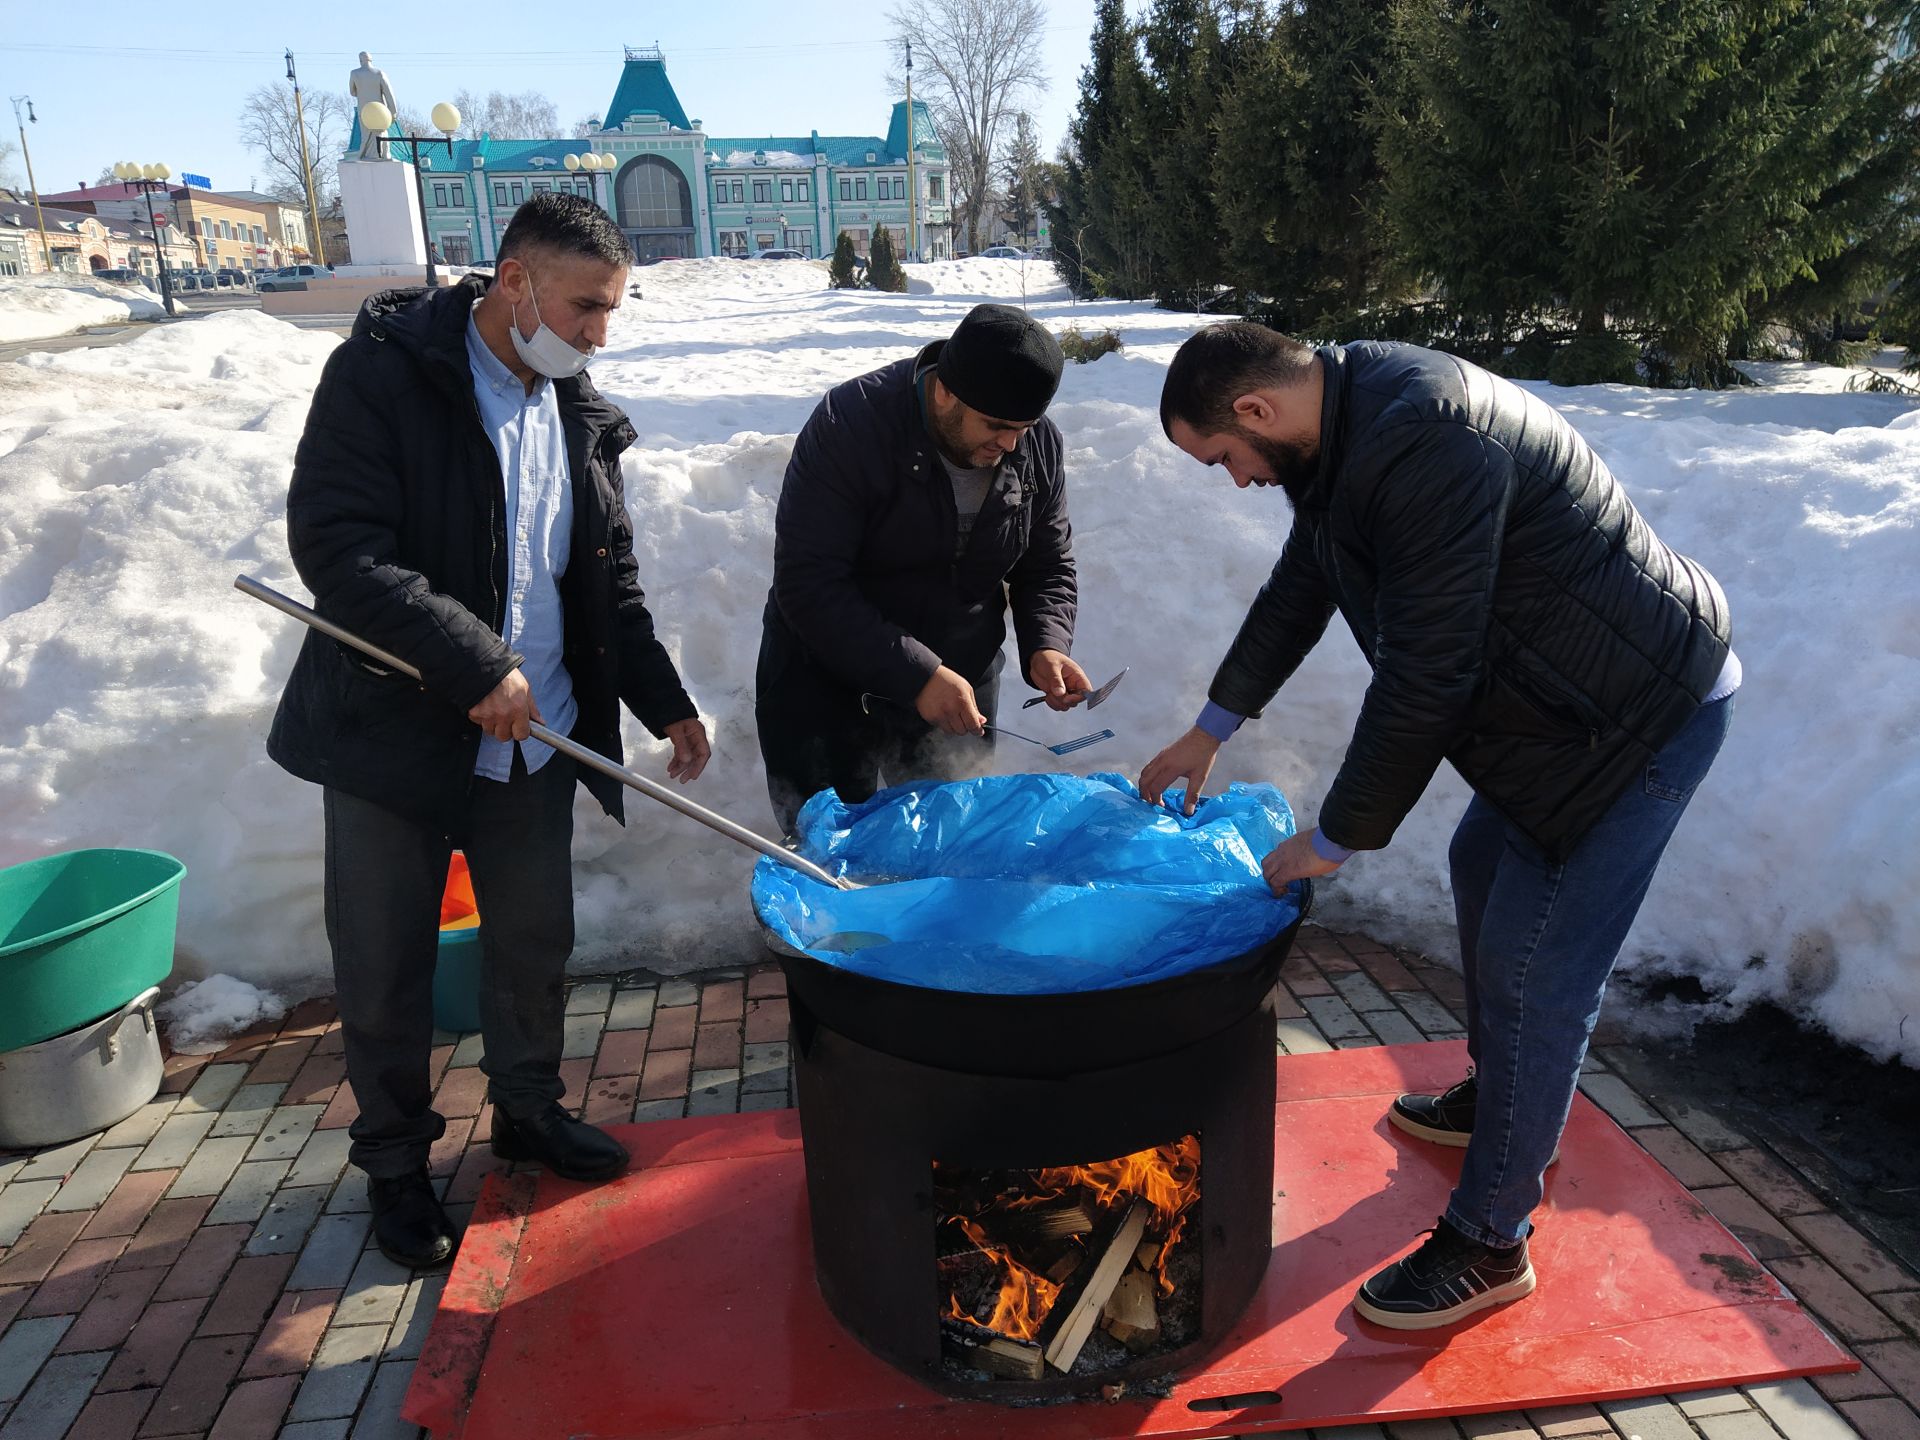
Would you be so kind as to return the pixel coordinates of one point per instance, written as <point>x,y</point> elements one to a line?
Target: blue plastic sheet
<point>1030,884</point>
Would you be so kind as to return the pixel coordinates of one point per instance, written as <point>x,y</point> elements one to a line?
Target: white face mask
<point>546,353</point>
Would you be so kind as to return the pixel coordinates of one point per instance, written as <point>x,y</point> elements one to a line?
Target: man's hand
<point>1295,859</point>
<point>1189,758</point>
<point>507,709</point>
<point>947,702</point>
<point>690,750</point>
<point>1064,683</point>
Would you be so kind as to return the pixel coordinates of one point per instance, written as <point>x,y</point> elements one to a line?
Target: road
<point>191,306</point>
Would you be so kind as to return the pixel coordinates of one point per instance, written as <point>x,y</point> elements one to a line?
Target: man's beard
<point>946,434</point>
<point>1288,464</point>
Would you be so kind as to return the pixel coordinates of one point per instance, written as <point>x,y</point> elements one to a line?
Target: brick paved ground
<point>204,1268</point>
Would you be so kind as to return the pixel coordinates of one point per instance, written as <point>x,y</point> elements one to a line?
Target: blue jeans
<point>1538,939</point>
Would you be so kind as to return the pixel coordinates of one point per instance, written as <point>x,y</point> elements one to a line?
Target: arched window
<point>652,194</point>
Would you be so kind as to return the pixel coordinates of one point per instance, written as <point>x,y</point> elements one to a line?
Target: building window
<point>899,187</point>
<point>762,192</point>
<point>226,230</point>
<point>457,249</point>
<point>541,186</point>
<point>734,243</point>
<point>739,192</point>
<point>803,190</point>
<point>934,187</point>
<point>459,193</point>
<point>440,195</point>
<point>206,228</point>
<point>652,194</point>
<point>846,188</point>
<point>860,187</point>
<point>765,240</point>
<point>519,192</point>
<point>786,192</point>
<point>801,240</point>
<point>499,192</point>
<point>719,192</point>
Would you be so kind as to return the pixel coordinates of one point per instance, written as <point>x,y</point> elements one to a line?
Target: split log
<point>1148,1255</point>
<point>1131,1315</point>
<point>1067,1341</point>
<point>987,1349</point>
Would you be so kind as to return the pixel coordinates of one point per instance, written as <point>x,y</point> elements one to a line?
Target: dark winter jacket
<point>1521,618</point>
<point>865,583</point>
<point>396,519</point>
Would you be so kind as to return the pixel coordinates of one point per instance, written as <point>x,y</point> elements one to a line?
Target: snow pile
<point>136,481</point>
<point>201,1017</point>
<point>34,307</point>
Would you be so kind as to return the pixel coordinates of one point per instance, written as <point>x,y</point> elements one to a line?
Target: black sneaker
<point>410,1224</point>
<point>1443,1119</point>
<point>1447,1279</point>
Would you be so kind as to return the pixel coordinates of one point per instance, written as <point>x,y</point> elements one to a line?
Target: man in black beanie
<point>922,502</point>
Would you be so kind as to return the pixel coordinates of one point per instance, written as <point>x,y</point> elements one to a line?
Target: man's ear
<point>510,278</point>
<point>1255,411</point>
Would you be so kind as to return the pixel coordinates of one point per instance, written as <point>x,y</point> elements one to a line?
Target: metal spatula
<point>1065,747</point>
<point>1092,700</point>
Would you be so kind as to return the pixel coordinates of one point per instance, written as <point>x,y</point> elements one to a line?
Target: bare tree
<point>268,128</point>
<point>586,125</point>
<point>526,116</point>
<point>975,61</point>
<point>9,177</point>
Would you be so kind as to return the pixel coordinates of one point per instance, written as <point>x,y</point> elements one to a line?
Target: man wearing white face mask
<point>456,500</point>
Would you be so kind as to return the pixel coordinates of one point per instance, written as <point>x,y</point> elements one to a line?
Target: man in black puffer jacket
<point>1522,622</point>
<point>922,501</point>
<point>456,501</point>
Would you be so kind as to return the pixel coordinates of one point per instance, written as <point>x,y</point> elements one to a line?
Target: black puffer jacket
<point>865,583</point>
<point>1521,618</point>
<point>396,520</point>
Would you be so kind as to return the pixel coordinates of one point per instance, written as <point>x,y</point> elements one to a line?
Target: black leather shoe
<point>408,1220</point>
<point>566,1146</point>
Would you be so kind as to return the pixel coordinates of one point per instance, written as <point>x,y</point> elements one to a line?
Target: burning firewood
<point>1131,1315</point>
<point>1072,1334</point>
<point>989,1350</point>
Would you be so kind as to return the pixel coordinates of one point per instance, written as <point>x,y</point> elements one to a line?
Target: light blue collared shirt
<point>525,430</point>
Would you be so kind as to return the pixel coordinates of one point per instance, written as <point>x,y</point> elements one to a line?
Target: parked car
<point>1002,252</point>
<point>289,277</point>
<point>120,275</point>
<point>183,280</point>
<point>779,254</point>
<point>231,279</point>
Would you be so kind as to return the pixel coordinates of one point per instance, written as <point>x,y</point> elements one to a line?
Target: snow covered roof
<point>840,150</point>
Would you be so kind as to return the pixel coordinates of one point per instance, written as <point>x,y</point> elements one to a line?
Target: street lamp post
<point>376,118</point>
<point>149,178</point>
<point>46,252</point>
<point>306,166</point>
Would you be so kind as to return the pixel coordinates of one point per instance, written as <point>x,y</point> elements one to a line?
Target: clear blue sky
<point>147,87</point>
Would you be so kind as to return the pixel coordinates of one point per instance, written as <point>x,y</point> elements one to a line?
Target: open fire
<point>1032,1261</point>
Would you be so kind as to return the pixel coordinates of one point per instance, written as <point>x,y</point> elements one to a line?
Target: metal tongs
<point>1065,747</point>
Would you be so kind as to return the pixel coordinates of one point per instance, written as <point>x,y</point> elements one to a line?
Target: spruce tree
<point>1187,59</point>
<point>1295,170</point>
<point>1099,211</point>
<point>840,270</point>
<point>884,271</point>
<point>1655,169</point>
<point>1023,177</point>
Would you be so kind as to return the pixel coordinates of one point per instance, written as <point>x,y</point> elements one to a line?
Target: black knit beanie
<point>1002,362</point>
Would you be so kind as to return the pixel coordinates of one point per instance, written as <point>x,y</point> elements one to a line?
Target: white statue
<point>368,84</point>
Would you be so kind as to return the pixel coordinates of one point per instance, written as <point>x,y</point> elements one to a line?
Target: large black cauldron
<point>892,1078</point>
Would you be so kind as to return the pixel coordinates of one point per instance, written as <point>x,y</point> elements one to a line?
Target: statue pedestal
<point>383,213</point>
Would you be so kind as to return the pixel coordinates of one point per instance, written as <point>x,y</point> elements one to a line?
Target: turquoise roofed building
<point>678,192</point>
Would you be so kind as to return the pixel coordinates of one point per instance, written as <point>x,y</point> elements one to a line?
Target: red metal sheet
<point>679,1301</point>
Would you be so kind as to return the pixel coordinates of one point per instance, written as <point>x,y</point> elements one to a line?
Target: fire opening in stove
<point>1073,1268</point>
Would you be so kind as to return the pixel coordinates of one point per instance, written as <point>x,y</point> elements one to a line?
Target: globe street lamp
<point>376,118</point>
<point>149,178</point>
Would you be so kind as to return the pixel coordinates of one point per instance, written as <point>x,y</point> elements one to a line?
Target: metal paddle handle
<point>593,759</point>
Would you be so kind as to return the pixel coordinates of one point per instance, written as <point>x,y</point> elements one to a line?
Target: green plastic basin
<point>456,981</point>
<point>81,934</point>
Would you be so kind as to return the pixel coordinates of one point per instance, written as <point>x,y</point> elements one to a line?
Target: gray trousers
<point>384,878</point>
